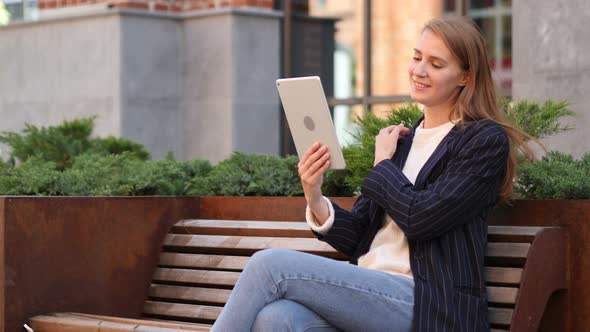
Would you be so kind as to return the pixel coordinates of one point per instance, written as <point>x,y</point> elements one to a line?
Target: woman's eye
<point>436,65</point>
<point>416,58</point>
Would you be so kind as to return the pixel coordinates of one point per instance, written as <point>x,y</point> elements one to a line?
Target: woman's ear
<point>464,79</point>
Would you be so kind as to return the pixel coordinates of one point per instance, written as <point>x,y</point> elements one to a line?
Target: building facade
<point>183,68</point>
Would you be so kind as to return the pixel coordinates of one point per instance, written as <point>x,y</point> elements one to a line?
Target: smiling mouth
<point>420,85</point>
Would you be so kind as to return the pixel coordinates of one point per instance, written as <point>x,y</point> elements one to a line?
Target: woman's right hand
<point>313,165</point>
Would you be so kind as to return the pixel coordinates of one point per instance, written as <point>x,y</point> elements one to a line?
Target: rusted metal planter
<point>86,254</point>
<point>97,254</point>
<point>574,215</point>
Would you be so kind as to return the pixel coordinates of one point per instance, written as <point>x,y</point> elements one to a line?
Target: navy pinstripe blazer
<point>444,216</point>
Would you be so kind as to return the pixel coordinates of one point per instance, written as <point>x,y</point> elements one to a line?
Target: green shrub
<point>61,144</point>
<point>538,120</point>
<point>556,176</point>
<point>119,145</point>
<point>58,144</point>
<point>98,175</point>
<point>335,184</point>
<point>125,175</point>
<point>360,155</point>
<point>250,175</point>
<point>32,177</point>
<point>168,176</point>
<point>66,160</point>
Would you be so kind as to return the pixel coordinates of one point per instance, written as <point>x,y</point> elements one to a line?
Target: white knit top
<point>389,251</point>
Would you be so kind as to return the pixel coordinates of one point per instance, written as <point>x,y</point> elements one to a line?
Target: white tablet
<point>309,117</point>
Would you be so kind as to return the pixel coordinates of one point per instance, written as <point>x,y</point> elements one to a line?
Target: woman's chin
<point>418,97</point>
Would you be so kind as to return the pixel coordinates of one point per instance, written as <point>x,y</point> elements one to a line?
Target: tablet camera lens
<point>308,122</point>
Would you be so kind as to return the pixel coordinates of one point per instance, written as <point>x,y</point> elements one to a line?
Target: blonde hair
<point>477,99</point>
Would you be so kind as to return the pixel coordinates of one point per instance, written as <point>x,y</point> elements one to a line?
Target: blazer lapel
<point>404,145</point>
<point>436,156</point>
<point>403,149</point>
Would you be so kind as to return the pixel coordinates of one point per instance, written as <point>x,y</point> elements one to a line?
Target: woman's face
<point>435,74</point>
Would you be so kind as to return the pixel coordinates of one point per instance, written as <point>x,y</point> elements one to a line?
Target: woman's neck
<point>436,116</point>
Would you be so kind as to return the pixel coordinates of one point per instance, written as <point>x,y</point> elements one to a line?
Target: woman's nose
<point>419,69</point>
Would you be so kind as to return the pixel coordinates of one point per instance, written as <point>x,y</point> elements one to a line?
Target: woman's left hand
<point>386,142</point>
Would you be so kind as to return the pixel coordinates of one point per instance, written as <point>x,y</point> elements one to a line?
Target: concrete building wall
<point>231,61</point>
<point>551,56</point>
<point>256,46</point>
<point>200,84</point>
<point>150,80</point>
<point>207,109</point>
<point>60,70</point>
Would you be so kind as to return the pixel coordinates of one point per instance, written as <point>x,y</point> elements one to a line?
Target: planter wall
<point>575,216</point>
<point>93,255</point>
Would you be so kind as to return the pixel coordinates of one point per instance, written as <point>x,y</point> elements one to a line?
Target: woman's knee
<point>269,257</point>
<point>286,315</point>
<point>271,318</point>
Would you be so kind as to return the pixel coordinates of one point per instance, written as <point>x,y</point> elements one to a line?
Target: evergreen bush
<point>35,176</point>
<point>66,160</point>
<point>251,175</point>
<point>168,176</point>
<point>98,175</point>
<point>118,145</point>
<point>360,155</point>
<point>538,120</point>
<point>555,176</point>
<point>124,175</point>
<point>61,144</point>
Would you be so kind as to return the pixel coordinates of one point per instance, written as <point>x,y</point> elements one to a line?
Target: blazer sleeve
<point>348,227</point>
<point>468,185</point>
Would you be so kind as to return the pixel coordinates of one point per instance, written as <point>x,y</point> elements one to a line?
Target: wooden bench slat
<point>513,233</point>
<point>196,294</point>
<point>198,277</point>
<point>247,243</point>
<point>499,316</point>
<point>46,323</point>
<point>499,275</point>
<point>300,229</point>
<point>203,261</point>
<point>255,243</point>
<point>243,228</point>
<point>226,278</point>
<point>514,230</point>
<point>79,324</point>
<point>182,311</point>
<point>502,295</point>
<point>138,322</point>
<point>508,250</point>
<point>503,275</point>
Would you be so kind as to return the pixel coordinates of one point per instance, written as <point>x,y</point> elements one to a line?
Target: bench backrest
<point>202,259</point>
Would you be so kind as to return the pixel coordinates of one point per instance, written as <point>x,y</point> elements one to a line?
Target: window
<point>21,10</point>
<point>366,28</point>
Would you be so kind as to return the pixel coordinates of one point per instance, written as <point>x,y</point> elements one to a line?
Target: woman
<point>416,236</point>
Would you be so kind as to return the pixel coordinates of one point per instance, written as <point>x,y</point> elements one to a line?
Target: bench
<point>202,259</point>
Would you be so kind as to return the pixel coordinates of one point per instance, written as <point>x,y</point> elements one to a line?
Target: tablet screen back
<point>309,117</point>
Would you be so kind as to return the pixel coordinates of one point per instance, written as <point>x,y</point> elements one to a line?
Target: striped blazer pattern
<point>444,216</point>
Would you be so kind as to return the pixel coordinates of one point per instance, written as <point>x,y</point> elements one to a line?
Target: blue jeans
<point>284,290</point>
